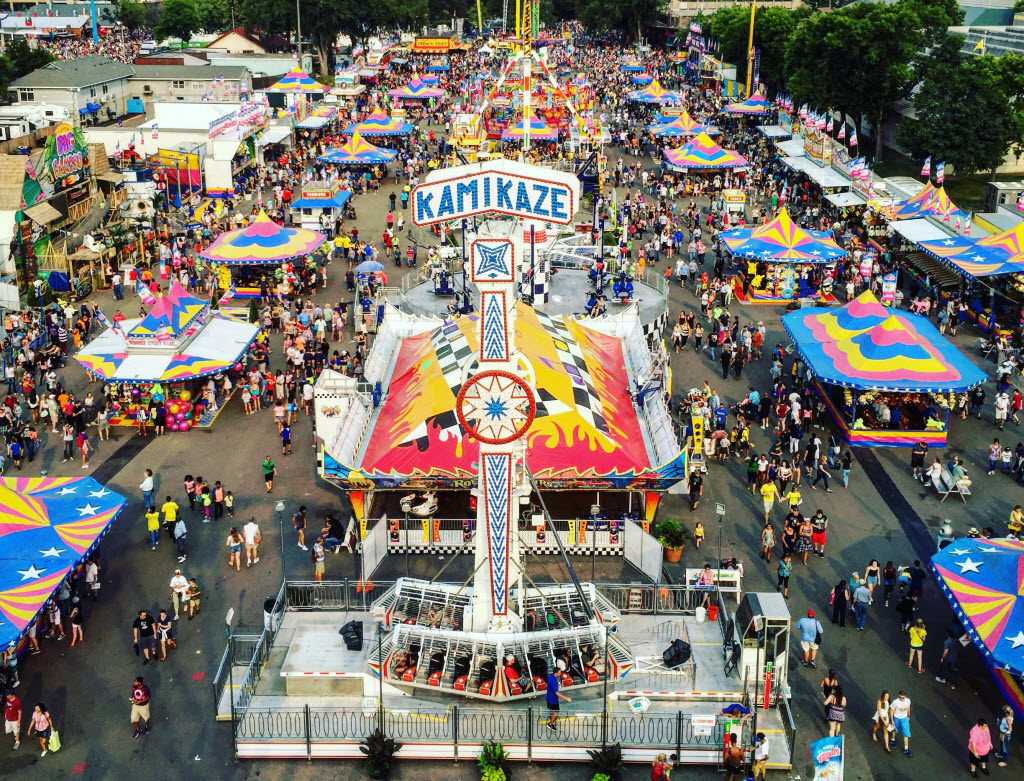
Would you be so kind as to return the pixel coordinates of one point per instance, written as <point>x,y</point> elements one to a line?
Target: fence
<point>458,732</point>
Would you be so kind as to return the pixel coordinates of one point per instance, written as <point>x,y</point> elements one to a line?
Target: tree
<point>960,98</point>
<point>133,14</point>
<point>859,59</point>
<point>215,16</point>
<point>180,19</point>
<point>601,15</point>
<point>25,59</point>
<point>1011,67</point>
<point>773,30</point>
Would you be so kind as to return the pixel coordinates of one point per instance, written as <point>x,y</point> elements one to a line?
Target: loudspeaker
<point>676,654</point>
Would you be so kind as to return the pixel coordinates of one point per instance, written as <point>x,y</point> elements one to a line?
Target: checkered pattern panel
<point>588,403</point>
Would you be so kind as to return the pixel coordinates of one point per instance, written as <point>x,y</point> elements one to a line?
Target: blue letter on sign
<point>462,190</point>
<point>557,207</point>
<point>504,201</point>
<point>447,205</point>
<point>423,210</point>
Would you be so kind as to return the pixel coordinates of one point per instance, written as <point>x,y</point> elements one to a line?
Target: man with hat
<point>810,637</point>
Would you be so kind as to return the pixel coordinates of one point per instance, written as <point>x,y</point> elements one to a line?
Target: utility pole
<point>750,47</point>
<point>298,31</point>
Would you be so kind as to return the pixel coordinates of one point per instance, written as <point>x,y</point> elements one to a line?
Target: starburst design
<point>496,407</point>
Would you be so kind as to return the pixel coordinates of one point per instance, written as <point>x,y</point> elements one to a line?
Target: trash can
<point>712,612</point>
<point>702,615</point>
<point>271,614</point>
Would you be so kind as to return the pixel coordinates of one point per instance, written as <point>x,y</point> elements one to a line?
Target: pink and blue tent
<point>416,90</point>
<point>380,124</point>
<point>702,152</point>
<point>782,241</point>
<point>1000,253</point>
<point>357,151</point>
<point>755,104</point>
<point>538,131</point>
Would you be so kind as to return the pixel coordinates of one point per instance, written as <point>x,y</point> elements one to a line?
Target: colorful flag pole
<point>926,169</point>
<point>940,173</point>
<point>853,137</point>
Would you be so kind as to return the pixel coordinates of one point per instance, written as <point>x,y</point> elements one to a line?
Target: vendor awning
<point>775,131</point>
<point>116,177</point>
<point>313,123</point>
<point>825,177</point>
<point>792,148</point>
<point>42,213</point>
<point>919,229</point>
<point>340,199</point>
<point>851,198</point>
<point>274,135</point>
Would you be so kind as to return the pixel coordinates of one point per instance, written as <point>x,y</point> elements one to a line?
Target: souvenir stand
<point>781,262</point>
<point>245,256</point>
<point>682,126</point>
<point>701,155</point>
<point>871,364</point>
<point>161,359</point>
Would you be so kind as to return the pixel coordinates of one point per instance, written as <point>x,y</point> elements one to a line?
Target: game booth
<point>781,262</point>
<point>871,363</point>
<point>981,578</point>
<point>357,151</point>
<point>380,124</point>
<point>162,359</point>
<point>754,106</point>
<point>259,256</point>
<point>51,525</point>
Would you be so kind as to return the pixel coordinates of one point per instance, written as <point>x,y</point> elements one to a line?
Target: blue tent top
<point>863,345</point>
<point>48,527</point>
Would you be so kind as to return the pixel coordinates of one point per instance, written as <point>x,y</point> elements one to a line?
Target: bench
<point>946,485</point>
<point>727,580</point>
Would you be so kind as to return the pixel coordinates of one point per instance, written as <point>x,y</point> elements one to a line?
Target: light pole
<point>720,515</point>
<point>380,679</point>
<point>280,526</point>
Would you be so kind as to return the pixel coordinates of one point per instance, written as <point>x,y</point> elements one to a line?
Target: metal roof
<point>79,72</point>
<point>204,72</point>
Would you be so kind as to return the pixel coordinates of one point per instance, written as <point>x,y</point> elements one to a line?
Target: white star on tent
<point>958,552</point>
<point>52,552</point>
<point>100,493</point>
<point>1017,640</point>
<point>987,549</point>
<point>816,252</point>
<point>968,565</point>
<point>948,242</point>
<point>31,573</point>
<point>978,258</point>
<point>66,491</point>
<point>87,510</point>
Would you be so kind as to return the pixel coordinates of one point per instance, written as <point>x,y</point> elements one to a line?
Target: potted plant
<point>606,763</point>
<point>493,763</point>
<point>380,752</point>
<point>672,537</point>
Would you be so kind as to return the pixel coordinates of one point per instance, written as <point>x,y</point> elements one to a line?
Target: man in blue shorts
<point>552,695</point>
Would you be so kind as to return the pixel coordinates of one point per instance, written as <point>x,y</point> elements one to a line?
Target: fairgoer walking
<point>141,696</point>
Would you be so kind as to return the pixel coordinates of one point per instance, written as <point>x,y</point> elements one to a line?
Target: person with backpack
<point>141,695</point>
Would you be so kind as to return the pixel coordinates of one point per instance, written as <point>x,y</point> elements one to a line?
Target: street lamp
<point>720,516</point>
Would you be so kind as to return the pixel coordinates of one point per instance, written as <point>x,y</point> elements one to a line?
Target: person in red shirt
<point>12,717</point>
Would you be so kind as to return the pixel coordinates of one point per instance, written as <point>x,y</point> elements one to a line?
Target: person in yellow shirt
<point>153,525</point>
<point>1016,521</point>
<point>769,492</point>
<point>917,636</point>
<point>170,511</point>
<point>794,496</point>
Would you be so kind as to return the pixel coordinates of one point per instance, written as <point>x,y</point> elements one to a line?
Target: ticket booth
<point>763,624</point>
<point>319,198</point>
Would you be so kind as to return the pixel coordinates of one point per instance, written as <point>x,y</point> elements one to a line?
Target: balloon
<point>183,426</point>
<point>185,395</point>
<point>172,408</point>
<point>136,393</point>
<point>173,425</point>
<point>180,416</point>
<point>238,367</point>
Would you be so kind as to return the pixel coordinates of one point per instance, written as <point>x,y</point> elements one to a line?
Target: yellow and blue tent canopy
<point>755,104</point>
<point>49,526</point>
<point>683,125</point>
<point>357,151</point>
<point>538,131</point>
<point>380,124</point>
<point>654,93</point>
<point>782,241</point>
<point>1000,253</point>
<point>416,90</point>
<point>262,241</point>
<point>297,80</point>
<point>171,314</point>
<point>702,152</point>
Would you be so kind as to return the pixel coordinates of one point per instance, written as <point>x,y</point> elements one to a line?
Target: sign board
<point>432,45</point>
<point>65,156</point>
<point>703,726</point>
<point>222,124</point>
<point>498,186</point>
<point>734,196</point>
<point>818,148</point>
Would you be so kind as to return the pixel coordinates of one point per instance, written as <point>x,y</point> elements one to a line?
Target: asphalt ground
<point>883,515</point>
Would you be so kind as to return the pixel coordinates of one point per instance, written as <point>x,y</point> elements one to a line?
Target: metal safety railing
<point>470,727</point>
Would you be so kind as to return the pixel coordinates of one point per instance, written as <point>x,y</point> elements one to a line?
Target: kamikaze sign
<point>499,186</point>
